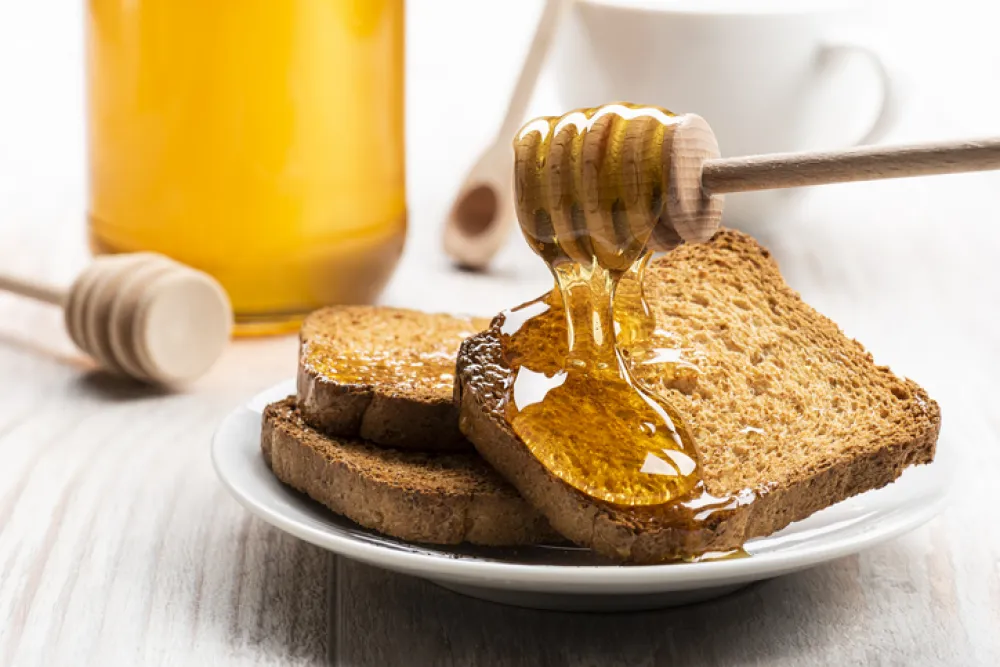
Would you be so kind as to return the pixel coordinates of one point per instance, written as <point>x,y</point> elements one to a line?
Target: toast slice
<point>382,374</point>
<point>436,498</point>
<point>786,411</point>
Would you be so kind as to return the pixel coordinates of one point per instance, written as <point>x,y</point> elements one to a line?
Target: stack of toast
<point>398,421</point>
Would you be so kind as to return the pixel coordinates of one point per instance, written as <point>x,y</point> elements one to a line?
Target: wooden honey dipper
<point>141,315</point>
<point>599,182</point>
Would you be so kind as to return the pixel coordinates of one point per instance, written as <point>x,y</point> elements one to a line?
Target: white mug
<point>769,76</point>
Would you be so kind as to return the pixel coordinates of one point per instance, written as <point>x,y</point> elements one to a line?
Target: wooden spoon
<point>482,213</point>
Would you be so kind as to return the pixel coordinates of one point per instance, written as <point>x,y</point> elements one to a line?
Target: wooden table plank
<point>824,616</point>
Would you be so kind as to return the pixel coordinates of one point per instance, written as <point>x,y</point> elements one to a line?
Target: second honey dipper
<point>141,315</point>
<point>696,177</point>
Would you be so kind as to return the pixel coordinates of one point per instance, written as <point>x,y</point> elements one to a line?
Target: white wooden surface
<point>118,546</point>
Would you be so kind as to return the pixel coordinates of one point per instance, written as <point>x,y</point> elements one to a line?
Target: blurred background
<point>461,61</point>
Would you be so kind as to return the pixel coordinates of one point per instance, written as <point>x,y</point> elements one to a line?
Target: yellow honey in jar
<point>260,141</point>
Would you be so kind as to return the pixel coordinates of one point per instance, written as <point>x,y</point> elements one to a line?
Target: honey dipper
<point>141,315</point>
<point>693,176</point>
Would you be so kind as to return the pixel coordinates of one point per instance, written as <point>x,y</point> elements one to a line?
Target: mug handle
<point>889,109</point>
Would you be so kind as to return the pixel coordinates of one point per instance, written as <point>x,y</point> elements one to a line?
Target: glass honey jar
<point>261,141</point>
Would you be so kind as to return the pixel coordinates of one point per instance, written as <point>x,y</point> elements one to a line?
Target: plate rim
<point>560,578</point>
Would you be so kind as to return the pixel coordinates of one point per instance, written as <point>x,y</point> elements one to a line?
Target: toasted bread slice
<point>785,409</point>
<point>436,498</point>
<point>383,374</point>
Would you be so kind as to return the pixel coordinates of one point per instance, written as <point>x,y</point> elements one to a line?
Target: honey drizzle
<point>589,191</point>
<point>409,371</point>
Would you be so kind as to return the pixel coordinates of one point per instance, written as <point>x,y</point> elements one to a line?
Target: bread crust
<point>433,498</point>
<point>839,471</point>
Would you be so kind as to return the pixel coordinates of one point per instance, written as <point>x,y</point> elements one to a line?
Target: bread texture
<point>435,498</point>
<point>383,374</point>
<point>789,414</point>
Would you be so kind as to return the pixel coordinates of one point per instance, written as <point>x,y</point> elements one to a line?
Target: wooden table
<point>119,547</point>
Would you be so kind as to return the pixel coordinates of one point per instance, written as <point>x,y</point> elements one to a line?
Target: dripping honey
<point>589,191</point>
<point>574,402</point>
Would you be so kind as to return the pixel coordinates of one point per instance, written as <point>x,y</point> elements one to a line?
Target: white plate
<point>567,578</point>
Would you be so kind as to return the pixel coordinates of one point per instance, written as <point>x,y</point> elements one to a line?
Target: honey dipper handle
<point>33,290</point>
<point>864,163</point>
